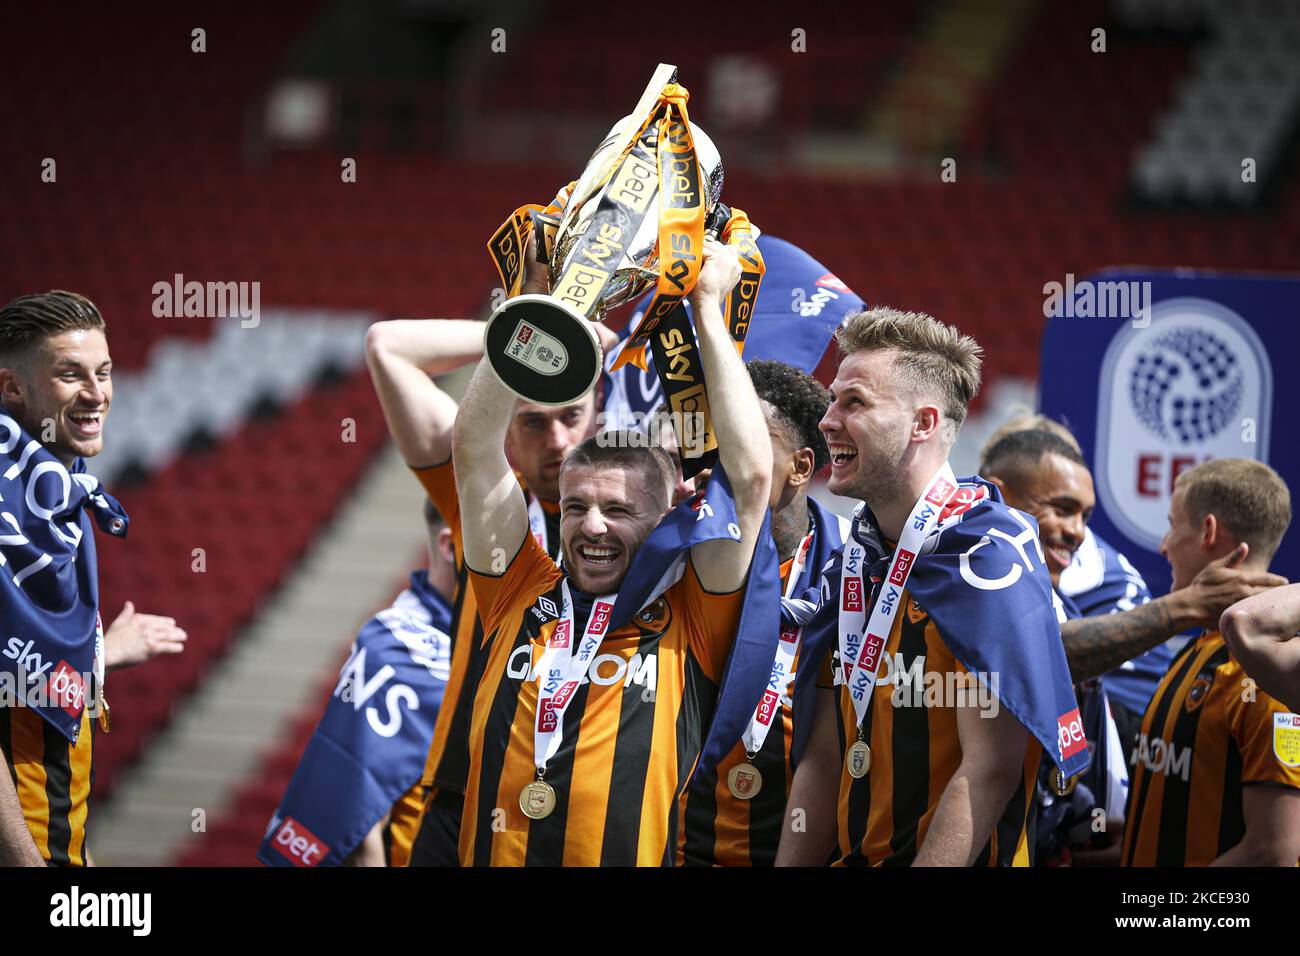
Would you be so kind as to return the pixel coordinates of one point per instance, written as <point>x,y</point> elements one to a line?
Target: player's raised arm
<point>495,525</point>
<point>743,449</point>
<point>1262,632</point>
<point>402,355</point>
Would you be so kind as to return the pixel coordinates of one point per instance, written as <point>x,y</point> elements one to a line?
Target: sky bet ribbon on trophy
<point>634,220</point>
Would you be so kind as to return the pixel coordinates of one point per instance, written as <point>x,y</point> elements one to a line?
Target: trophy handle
<point>543,350</point>
<point>717,220</point>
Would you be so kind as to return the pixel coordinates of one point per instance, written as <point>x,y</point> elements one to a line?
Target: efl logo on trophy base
<point>540,352</point>
<point>1194,384</point>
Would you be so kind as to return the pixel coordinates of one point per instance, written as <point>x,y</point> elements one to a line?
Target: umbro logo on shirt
<point>546,610</point>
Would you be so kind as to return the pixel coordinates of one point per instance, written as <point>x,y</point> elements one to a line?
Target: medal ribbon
<point>561,669</point>
<point>860,651</point>
<point>783,664</point>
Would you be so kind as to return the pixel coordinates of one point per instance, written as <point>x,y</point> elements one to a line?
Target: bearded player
<point>946,588</point>
<point>403,355</point>
<point>585,730</point>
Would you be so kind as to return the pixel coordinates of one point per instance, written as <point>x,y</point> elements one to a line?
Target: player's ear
<point>446,549</point>
<point>11,387</point>
<point>1210,532</point>
<point>804,462</point>
<point>926,422</point>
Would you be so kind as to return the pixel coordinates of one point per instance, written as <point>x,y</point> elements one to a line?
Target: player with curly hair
<point>732,816</point>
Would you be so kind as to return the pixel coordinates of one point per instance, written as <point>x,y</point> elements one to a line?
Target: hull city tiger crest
<point>1196,693</point>
<point>656,617</point>
<point>915,613</point>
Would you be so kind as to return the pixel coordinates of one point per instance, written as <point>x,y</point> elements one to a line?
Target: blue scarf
<point>826,543</point>
<point>371,744</point>
<point>49,581</point>
<point>661,561</point>
<point>982,579</point>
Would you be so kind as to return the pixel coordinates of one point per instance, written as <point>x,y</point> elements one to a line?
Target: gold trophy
<point>634,220</point>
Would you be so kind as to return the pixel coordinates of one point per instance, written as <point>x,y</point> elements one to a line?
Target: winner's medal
<point>537,800</point>
<point>744,781</point>
<point>566,664</point>
<point>863,638</point>
<point>1062,785</point>
<point>859,759</point>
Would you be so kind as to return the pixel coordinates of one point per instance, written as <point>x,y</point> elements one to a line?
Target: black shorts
<point>437,841</point>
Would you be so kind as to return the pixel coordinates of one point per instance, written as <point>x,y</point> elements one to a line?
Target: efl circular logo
<point>1194,383</point>
<point>1187,385</point>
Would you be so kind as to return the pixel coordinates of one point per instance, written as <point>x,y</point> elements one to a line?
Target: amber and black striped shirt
<point>1206,734</point>
<point>53,780</point>
<point>631,735</point>
<point>719,829</point>
<point>915,750</point>
<point>447,765</point>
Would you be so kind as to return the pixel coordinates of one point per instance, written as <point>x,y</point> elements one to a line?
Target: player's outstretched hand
<point>718,275</point>
<point>134,638</point>
<point>1222,583</point>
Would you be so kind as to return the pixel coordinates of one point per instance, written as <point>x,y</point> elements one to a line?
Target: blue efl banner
<point>1156,371</point>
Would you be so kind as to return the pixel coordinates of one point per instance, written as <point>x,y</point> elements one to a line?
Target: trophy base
<point>542,350</point>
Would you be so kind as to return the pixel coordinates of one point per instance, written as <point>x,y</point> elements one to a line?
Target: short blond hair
<point>930,355</point>
<point>1025,420</point>
<point>1247,497</point>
